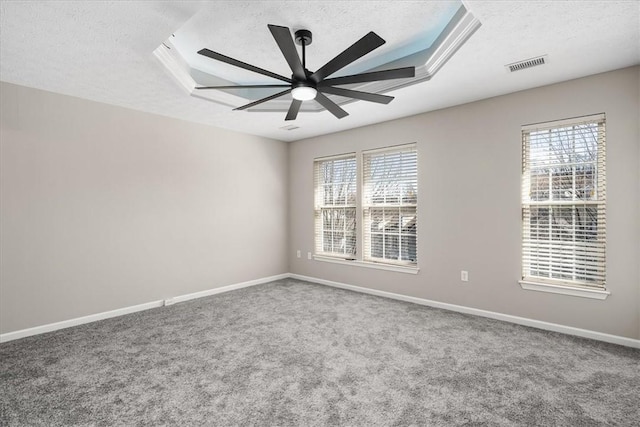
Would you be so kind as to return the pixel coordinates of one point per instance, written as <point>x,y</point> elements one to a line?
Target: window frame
<point>369,206</point>
<point>320,207</point>
<point>358,259</point>
<point>587,254</point>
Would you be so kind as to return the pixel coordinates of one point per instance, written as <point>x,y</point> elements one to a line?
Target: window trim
<point>576,291</point>
<point>409,269</point>
<point>560,286</point>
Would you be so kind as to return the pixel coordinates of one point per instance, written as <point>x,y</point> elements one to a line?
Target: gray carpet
<point>295,353</point>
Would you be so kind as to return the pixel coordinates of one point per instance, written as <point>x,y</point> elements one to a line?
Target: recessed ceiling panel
<point>239,30</point>
<point>417,34</point>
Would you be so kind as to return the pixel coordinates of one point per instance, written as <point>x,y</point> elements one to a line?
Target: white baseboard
<point>10,336</point>
<point>585,333</point>
<point>228,288</point>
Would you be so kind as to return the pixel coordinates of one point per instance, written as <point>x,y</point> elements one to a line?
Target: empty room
<point>336,213</point>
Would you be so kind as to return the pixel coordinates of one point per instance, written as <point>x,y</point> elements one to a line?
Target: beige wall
<point>469,203</point>
<point>104,207</point>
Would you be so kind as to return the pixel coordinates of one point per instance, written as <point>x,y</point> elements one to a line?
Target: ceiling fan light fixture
<point>304,93</point>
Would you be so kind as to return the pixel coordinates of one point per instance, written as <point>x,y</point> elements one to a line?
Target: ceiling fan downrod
<point>303,38</point>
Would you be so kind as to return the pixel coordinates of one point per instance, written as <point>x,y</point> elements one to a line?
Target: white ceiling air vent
<point>527,63</point>
<point>290,127</point>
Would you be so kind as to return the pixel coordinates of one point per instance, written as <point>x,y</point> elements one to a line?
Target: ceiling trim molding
<point>457,32</point>
<point>175,66</point>
<point>179,69</point>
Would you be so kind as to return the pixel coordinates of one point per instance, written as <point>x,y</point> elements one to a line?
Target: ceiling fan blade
<point>293,110</point>
<point>331,106</point>
<point>397,73</point>
<point>240,86</point>
<point>365,96</point>
<point>288,49</point>
<point>357,50</point>
<point>220,57</point>
<point>260,101</point>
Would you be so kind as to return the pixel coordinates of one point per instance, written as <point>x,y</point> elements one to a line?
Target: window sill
<point>575,291</point>
<point>388,267</point>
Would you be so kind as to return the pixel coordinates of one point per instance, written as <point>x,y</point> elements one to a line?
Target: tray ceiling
<point>104,51</point>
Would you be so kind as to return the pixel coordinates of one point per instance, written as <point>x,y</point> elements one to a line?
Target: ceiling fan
<point>305,85</point>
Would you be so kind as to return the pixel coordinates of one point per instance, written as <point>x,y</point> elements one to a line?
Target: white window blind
<point>563,202</point>
<point>390,200</point>
<point>335,206</point>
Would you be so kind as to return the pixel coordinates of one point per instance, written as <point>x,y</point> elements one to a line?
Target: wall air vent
<point>290,127</point>
<point>527,63</point>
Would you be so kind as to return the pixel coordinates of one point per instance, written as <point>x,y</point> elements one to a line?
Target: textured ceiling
<point>103,51</point>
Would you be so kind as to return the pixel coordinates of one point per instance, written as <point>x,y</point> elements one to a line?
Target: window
<point>563,202</point>
<point>390,197</point>
<point>335,206</point>
<point>386,198</point>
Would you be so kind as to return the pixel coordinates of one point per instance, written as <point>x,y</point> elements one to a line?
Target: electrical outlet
<point>308,255</point>
<point>298,253</point>
<point>464,276</point>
